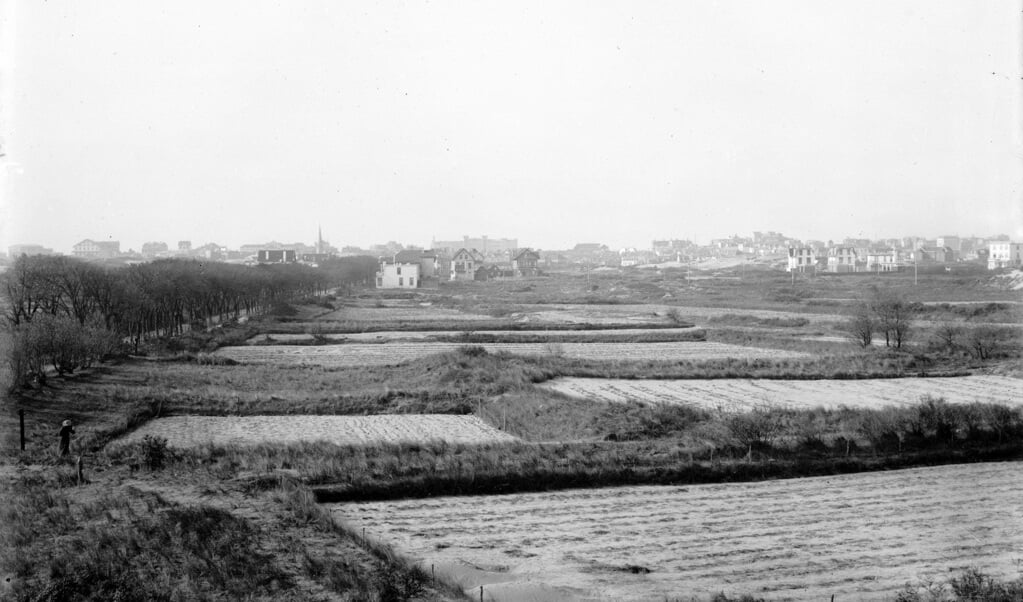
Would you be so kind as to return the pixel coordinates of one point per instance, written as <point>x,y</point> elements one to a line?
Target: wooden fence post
<point>21,421</point>
<point>80,477</point>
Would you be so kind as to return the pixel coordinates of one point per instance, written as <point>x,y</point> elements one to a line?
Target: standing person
<point>66,430</point>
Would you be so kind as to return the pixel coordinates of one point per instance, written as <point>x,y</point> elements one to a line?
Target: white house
<point>842,259</point>
<point>465,263</point>
<point>801,259</point>
<point>398,275</point>
<point>883,260</point>
<point>1004,254</point>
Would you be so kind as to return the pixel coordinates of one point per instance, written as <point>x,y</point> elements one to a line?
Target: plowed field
<point>408,335</point>
<point>368,354</point>
<point>858,537</point>
<point>746,394</point>
<point>188,431</point>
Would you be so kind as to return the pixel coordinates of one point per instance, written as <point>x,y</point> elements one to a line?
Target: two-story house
<point>399,275</point>
<point>1004,254</point>
<point>465,263</point>
<point>883,260</point>
<point>842,259</point>
<point>526,263</point>
<point>801,259</point>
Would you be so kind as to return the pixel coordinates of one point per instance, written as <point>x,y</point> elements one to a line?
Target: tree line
<point>68,313</point>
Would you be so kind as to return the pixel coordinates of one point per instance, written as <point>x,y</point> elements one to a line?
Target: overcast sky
<point>550,122</point>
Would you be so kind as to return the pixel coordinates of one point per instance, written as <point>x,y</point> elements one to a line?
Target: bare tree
<point>948,334</point>
<point>861,326</point>
<point>983,341</point>
<point>893,315</point>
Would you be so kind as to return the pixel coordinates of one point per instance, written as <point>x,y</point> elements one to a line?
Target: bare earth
<point>190,431</point>
<point>858,537</point>
<point>406,335</point>
<point>369,354</point>
<point>741,394</point>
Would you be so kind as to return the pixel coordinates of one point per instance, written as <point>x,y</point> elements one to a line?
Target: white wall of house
<point>801,259</point>
<point>1004,255</point>
<point>883,262</point>
<point>398,275</point>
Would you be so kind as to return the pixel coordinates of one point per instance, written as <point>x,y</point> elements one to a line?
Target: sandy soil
<point>410,335</point>
<point>653,314</point>
<point>857,537</point>
<point>188,431</point>
<point>368,354</point>
<point>746,394</point>
<point>392,312</point>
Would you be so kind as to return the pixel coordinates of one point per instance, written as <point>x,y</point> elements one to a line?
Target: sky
<point>550,122</point>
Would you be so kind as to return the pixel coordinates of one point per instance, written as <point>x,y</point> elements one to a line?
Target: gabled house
<point>935,255</point>
<point>427,261</point>
<point>90,249</point>
<point>525,263</point>
<point>465,263</point>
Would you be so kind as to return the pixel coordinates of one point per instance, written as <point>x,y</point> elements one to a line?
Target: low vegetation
<point>215,522</point>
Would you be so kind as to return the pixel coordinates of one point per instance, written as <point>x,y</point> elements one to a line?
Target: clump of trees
<point>884,313</point>
<point>68,314</point>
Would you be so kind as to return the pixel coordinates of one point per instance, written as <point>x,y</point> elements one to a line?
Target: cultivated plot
<point>402,312</point>
<point>740,394</point>
<point>190,431</point>
<point>856,537</point>
<point>368,354</point>
<point>409,335</point>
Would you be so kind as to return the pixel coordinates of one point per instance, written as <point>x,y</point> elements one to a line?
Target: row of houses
<point>842,259</point>
<point>416,268</point>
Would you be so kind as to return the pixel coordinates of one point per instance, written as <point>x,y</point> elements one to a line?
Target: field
<point>747,394</point>
<point>565,413</point>
<point>191,431</point>
<point>423,335</point>
<point>855,537</point>
<point>368,354</point>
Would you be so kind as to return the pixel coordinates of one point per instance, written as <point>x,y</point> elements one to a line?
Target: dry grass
<point>854,536</point>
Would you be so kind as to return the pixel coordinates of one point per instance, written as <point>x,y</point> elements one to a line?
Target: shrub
<point>153,452</point>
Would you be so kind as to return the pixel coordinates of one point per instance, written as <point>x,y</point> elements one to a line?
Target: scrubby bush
<point>152,452</point>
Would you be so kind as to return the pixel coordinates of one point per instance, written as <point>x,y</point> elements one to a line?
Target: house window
<point>399,270</point>
<point>401,281</point>
<point>380,281</point>
<point>411,281</point>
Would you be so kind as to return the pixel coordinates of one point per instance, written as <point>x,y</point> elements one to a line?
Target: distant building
<point>1004,254</point>
<point>184,247</point>
<point>152,249</point>
<point>276,256</point>
<point>842,260</point>
<point>211,251</point>
<point>954,243</point>
<point>935,255</point>
<point>15,251</point>
<point>801,259</point>
<point>398,275</point>
<point>882,260</point>
<point>484,245</point>
<point>525,263</point>
<point>464,264</point>
<point>90,249</point>
<point>427,261</point>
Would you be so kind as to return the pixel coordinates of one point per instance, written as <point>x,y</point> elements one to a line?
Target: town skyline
<point>173,247</point>
<point>577,121</point>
